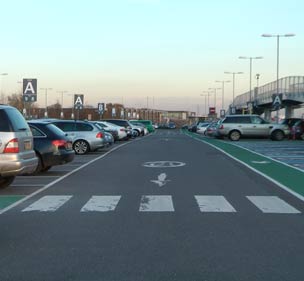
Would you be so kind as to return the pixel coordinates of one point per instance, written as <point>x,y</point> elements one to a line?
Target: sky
<point>156,53</point>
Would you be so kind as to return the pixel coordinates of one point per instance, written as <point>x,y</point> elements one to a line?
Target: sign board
<point>78,101</point>
<point>29,90</point>
<point>222,113</point>
<point>113,112</point>
<point>277,101</point>
<point>233,110</point>
<point>101,107</point>
<point>211,110</point>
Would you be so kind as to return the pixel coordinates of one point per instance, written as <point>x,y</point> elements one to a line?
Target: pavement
<point>167,207</point>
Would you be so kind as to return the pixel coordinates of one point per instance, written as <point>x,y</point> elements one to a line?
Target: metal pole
<point>278,54</point>
<point>46,113</point>
<point>223,90</point>
<point>233,80</point>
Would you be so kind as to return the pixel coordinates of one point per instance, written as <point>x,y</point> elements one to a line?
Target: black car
<point>51,145</point>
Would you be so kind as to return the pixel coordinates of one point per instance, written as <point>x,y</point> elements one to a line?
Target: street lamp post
<point>2,94</point>
<point>278,59</point>
<point>233,83</point>
<point>46,90</point>
<point>250,74</point>
<point>208,93</point>
<point>214,90</point>
<point>223,89</point>
<point>205,103</point>
<point>62,92</point>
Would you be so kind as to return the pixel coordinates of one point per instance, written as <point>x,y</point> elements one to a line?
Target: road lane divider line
<point>48,203</point>
<point>289,189</point>
<point>272,205</point>
<point>214,204</point>
<point>105,203</point>
<point>61,178</point>
<point>156,203</point>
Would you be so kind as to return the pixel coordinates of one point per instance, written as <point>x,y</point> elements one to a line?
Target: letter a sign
<point>30,90</point>
<point>277,101</point>
<point>78,101</point>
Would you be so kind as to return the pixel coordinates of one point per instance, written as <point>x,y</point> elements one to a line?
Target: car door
<point>259,127</point>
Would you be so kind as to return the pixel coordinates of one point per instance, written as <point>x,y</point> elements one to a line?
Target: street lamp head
<point>267,35</point>
<point>242,57</point>
<point>3,74</point>
<point>258,58</point>
<point>289,35</point>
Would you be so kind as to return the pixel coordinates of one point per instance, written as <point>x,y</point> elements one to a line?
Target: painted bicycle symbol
<point>164,164</point>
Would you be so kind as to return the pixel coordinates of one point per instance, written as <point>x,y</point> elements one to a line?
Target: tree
<point>16,101</point>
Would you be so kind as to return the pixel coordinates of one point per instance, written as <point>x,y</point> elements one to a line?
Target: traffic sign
<point>78,101</point>
<point>29,90</point>
<point>222,113</point>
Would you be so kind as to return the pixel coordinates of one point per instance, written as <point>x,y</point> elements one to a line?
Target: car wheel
<point>81,147</point>
<point>6,181</point>
<point>234,135</point>
<point>277,135</point>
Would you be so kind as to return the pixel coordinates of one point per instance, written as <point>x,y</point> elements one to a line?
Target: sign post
<point>101,107</point>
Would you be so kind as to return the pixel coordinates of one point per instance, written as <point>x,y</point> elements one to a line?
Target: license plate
<point>27,145</point>
<point>69,145</point>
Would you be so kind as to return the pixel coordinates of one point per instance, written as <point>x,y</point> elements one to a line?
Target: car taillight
<point>59,143</point>
<point>99,135</point>
<point>122,130</point>
<point>221,127</point>
<point>12,146</point>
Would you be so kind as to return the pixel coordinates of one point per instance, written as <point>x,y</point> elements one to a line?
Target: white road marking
<point>163,164</point>
<point>260,162</point>
<point>49,203</point>
<point>158,203</point>
<point>161,180</point>
<point>101,204</point>
<point>214,203</point>
<point>272,204</point>
<point>61,178</point>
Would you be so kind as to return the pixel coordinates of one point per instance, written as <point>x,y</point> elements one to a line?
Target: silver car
<point>85,136</point>
<point>16,146</point>
<point>237,126</point>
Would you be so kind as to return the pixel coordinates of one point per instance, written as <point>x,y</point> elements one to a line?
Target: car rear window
<point>14,120</point>
<point>55,129</point>
<point>66,126</point>
<point>4,122</point>
<point>84,127</point>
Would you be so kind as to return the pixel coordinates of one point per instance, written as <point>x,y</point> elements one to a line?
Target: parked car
<point>237,126</point>
<point>85,136</point>
<point>109,129</point>
<point>51,145</point>
<point>122,123</point>
<point>16,146</point>
<point>192,128</point>
<point>290,122</point>
<point>298,129</point>
<point>143,128</point>
<point>147,123</point>
<point>201,128</point>
<point>121,131</point>
<point>211,130</point>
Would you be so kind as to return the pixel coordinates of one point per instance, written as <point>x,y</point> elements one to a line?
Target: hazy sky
<point>128,50</point>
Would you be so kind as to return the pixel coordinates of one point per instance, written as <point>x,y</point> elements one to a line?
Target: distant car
<point>290,122</point>
<point>109,140</point>
<point>171,125</point>
<point>51,145</point>
<point>147,123</point>
<point>109,127</point>
<point>211,130</point>
<point>85,136</point>
<point>236,126</point>
<point>105,128</point>
<point>298,129</point>
<point>16,146</point>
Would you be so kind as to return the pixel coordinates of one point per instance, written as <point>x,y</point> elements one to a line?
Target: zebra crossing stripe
<point>101,204</point>
<point>216,204</point>
<point>159,203</point>
<point>272,204</point>
<point>48,203</point>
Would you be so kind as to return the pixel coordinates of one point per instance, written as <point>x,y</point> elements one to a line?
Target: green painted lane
<point>6,200</point>
<point>283,174</point>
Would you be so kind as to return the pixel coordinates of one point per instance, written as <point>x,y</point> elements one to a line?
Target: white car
<point>122,133</point>
<point>201,128</point>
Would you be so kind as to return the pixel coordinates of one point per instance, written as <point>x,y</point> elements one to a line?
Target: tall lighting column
<point>62,92</point>
<point>250,74</point>
<point>233,83</point>
<point>214,90</point>
<point>46,91</point>
<point>205,103</point>
<point>278,58</point>
<point>223,89</point>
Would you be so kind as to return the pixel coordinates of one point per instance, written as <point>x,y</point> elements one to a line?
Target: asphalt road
<point>166,207</point>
